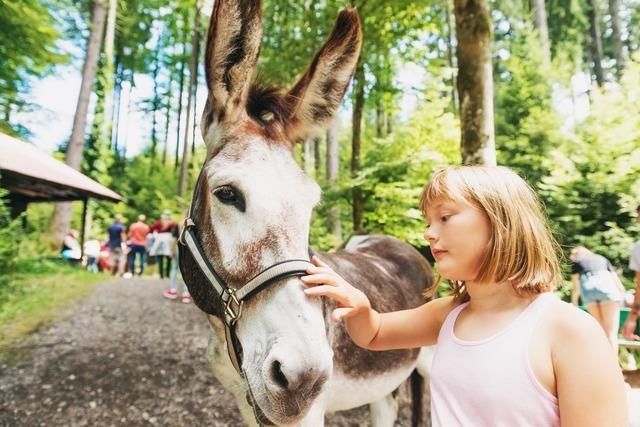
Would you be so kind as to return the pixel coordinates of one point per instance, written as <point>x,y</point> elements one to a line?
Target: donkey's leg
<point>384,412</point>
<point>224,371</point>
<point>420,393</point>
<point>425,360</point>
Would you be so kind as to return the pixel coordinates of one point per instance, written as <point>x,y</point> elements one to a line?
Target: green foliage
<point>527,128</point>
<point>396,168</point>
<point>10,232</point>
<point>586,173</point>
<point>594,188</point>
<point>27,49</point>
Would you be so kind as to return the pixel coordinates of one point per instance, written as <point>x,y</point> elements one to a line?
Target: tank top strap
<point>534,310</point>
<point>446,331</point>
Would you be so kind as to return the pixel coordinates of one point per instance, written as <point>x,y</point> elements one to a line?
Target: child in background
<point>509,353</point>
<point>172,292</point>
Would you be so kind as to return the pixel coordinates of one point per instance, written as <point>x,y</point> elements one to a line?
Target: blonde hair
<point>522,249</point>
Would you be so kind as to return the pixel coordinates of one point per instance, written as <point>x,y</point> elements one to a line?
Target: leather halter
<point>234,298</point>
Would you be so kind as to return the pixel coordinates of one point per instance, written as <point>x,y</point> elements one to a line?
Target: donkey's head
<point>253,202</point>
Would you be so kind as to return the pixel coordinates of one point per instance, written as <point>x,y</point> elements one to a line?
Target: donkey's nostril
<point>278,376</point>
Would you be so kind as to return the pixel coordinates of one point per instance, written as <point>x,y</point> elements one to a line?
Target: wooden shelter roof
<point>30,173</point>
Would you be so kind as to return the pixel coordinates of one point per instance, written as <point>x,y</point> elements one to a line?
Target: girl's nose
<point>429,234</point>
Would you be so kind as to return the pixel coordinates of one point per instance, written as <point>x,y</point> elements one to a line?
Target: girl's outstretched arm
<point>368,328</point>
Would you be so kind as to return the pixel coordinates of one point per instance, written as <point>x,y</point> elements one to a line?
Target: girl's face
<point>459,235</point>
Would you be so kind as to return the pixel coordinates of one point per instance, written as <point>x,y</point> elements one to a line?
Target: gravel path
<point>127,357</point>
<point>124,357</point>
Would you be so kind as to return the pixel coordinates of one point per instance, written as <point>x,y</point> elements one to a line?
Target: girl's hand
<point>326,282</point>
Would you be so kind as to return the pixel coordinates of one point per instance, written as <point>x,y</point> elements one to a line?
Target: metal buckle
<point>232,316</point>
<point>186,224</point>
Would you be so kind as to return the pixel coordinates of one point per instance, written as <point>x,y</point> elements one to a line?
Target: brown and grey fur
<point>250,132</point>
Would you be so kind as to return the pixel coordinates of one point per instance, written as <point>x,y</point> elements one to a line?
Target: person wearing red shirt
<point>138,232</point>
<point>162,247</point>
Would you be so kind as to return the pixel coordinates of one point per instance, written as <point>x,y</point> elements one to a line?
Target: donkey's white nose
<point>293,375</point>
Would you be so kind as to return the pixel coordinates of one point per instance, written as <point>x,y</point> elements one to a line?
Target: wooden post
<point>84,222</point>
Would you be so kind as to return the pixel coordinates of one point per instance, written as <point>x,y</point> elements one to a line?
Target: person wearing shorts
<point>596,282</point>
<point>117,236</point>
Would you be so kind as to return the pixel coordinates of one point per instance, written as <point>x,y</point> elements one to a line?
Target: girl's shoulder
<point>570,329</point>
<point>441,307</point>
<point>585,369</point>
<point>566,318</point>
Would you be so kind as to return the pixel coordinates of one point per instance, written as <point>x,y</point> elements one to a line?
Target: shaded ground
<point>124,356</point>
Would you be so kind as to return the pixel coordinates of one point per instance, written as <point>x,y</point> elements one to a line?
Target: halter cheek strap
<point>233,299</point>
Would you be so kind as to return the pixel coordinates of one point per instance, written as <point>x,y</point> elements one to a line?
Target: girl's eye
<point>445,218</point>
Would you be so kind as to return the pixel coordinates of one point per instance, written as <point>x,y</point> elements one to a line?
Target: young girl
<point>509,353</point>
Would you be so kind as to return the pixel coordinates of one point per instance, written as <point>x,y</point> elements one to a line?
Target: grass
<point>36,292</point>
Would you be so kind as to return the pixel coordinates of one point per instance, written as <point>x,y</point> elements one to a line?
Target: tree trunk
<point>116,109</point>
<point>379,119</point>
<point>181,90</point>
<point>596,41</point>
<point>126,130</point>
<point>194,127</point>
<point>182,183</point>
<point>109,73</point>
<point>62,212</point>
<point>333,168</point>
<point>454,98</point>
<point>616,37</point>
<point>318,157</point>
<point>156,101</point>
<point>540,22</point>
<point>475,82</point>
<point>307,156</point>
<point>358,107</point>
<point>167,116</point>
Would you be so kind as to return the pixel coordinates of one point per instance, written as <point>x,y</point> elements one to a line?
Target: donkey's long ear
<point>315,98</point>
<point>233,45</point>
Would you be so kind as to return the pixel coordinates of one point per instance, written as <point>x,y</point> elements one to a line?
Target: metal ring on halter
<point>231,316</point>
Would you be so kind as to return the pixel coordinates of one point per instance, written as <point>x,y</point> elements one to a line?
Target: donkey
<point>288,362</point>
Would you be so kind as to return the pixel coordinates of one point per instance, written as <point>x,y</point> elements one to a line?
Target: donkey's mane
<point>269,107</point>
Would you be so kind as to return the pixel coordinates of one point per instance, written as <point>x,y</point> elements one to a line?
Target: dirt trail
<point>124,357</point>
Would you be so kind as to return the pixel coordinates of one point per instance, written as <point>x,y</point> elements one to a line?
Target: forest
<point>562,80</point>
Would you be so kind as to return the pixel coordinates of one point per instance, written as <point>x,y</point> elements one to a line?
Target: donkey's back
<point>394,276</point>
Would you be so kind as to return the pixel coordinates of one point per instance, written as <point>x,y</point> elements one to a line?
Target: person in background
<point>631,324</point>
<point>138,232</point>
<point>152,264</point>
<point>172,292</point>
<point>163,242</point>
<point>92,252</point>
<point>117,235</point>
<point>70,246</point>
<point>597,283</point>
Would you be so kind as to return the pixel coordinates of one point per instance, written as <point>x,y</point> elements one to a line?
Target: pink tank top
<point>490,382</point>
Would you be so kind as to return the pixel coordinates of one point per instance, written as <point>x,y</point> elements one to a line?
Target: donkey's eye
<point>226,195</point>
<point>230,196</point>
